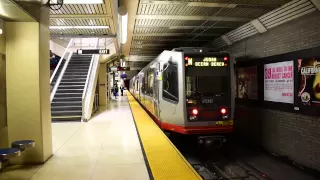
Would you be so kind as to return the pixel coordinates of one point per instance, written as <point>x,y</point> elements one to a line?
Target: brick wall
<point>289,134</point>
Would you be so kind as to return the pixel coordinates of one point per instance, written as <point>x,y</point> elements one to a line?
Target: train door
<point>156,92</point>
<point>169,93</point>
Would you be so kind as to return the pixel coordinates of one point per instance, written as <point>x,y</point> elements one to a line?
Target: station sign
<point>93,51</point>
<point>118,68</point>
<point>114,69</point>
<point>123,68</point>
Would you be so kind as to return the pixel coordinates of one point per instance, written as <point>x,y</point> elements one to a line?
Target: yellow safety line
<point>165,160</point>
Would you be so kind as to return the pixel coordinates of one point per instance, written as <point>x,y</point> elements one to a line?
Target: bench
<point>23,144</point>
<point>17,147</point>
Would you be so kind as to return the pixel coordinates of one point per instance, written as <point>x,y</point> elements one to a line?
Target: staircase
<point>67,101</point>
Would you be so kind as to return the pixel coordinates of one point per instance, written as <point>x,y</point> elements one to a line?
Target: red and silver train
<point>188,91</point>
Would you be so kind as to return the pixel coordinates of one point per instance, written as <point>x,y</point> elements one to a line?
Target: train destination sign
<point>206,61</point>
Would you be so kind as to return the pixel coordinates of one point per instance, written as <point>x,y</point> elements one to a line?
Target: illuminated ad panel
<point>247,83</point>
<point>278,82</point>
<point>309,81</point>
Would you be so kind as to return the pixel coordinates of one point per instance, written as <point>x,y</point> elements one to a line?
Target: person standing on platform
<point>115,91</point>
<point>121,89</point>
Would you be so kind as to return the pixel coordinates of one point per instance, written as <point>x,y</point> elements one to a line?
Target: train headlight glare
<point>195,111</point>
<point>223,111</point>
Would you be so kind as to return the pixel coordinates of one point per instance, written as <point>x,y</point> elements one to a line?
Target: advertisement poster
<point>278,82</point>
<point>247,83</point>
<point>309,90</point>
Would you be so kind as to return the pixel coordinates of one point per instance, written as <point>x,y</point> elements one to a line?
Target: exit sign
<point>93,51</point>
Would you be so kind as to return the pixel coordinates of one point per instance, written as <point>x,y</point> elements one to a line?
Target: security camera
<point>55,2</point>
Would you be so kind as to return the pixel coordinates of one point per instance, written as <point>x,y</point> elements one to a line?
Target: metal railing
<point>86,84</point>
<point>56,85</point>
<point>61,59</point>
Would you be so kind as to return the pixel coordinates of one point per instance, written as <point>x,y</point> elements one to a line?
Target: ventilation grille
<point>218,43</point>
<point>242,32</point>
<point>283,14</point>
<point>287,12</point>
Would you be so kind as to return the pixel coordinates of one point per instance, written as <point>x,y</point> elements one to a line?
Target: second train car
<point>188,91</point>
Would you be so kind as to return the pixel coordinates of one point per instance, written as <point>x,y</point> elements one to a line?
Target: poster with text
<point>309,90</point>
<point>278,82</point>
<point>247,83</point>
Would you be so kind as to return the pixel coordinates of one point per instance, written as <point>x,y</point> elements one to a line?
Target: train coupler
<point>212,141</point>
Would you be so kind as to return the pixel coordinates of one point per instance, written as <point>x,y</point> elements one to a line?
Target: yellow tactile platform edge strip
<point>164,159</point>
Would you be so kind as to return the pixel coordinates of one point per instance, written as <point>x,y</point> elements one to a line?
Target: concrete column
<point>3,104</point>
<point>102,84</point>
<point>28,87</point>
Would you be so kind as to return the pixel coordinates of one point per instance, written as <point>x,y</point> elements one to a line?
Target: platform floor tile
<point>105,148</point>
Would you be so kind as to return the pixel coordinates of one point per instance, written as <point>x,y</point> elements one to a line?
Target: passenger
<point>115,91</point>
<point>121,89</point>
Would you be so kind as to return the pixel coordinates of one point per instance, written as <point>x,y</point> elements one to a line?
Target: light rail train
<point>188,91</point>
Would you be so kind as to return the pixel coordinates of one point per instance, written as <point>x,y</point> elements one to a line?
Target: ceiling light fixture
<point>123,16</point>
<point>83,2</point>
<point>217,5</point>
<point>79,27</point>
<point>199,27</point>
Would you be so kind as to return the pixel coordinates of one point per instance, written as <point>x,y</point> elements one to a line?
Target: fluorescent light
<point>79,27</point>
<point>124,28</point>
<point>217,5</point>
<point>198,27</point>
<point>83,1</point>
<point>123,23</point>
<point>162,2</point>
<point>1,31</point>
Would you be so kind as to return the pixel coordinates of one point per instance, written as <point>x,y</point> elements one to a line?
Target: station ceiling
<point>84,15</point>
<point>165,24</point>
<point>157,25</point>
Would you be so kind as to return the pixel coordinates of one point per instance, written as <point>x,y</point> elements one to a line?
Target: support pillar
<point>28,87</point>
<point>3,97</point>
<point>102,84</point>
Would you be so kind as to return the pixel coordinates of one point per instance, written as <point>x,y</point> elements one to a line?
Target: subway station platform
<point>108,147</point>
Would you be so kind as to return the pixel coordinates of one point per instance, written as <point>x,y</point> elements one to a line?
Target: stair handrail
<point>89,97</point>
<point>56,85</point>
<point>86,87</point>
<point>87,80</point>
<point>88,77</point>
<point>57,67</point>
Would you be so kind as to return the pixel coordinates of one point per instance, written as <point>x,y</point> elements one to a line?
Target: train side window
<point>170,82</point>
<point>150,82</point>
<point>143,86</point>
<point>136,86</point>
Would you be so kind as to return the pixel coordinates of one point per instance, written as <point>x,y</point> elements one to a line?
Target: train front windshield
<point>206,85</point>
